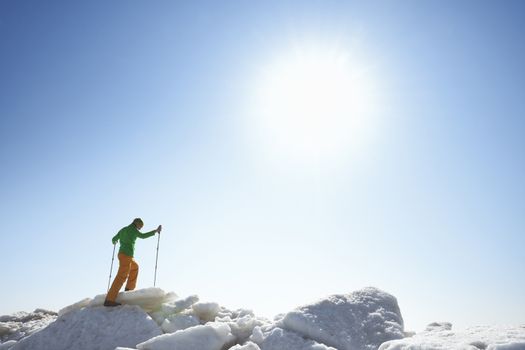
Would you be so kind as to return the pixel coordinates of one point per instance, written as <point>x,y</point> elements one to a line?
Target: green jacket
<point>127,237</point>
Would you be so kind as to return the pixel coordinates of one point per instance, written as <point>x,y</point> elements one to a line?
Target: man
<point>128,267</point>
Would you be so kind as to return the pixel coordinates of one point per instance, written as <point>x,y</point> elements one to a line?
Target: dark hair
<point>138,221</point>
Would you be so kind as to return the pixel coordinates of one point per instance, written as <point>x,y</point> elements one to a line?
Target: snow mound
<point>276,338</point>
<point>213,336</point>
<point>439,336</point>
<point>363,320</point>
<point>94,328</point>
<point>22,324</point>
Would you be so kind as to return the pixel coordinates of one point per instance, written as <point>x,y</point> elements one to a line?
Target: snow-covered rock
<point>212,336</point>
<point>440,336</point>
<point>279,339</point>
<point>94,328</point>
<point>22,324</point>
<point>362,320</point>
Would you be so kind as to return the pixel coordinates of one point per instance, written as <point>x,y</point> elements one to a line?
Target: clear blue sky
<point>112,110</point>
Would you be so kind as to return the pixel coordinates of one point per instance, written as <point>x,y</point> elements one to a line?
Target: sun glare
<point>314,103</point>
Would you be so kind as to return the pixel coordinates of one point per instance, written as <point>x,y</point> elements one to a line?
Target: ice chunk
<point>248,346</point>
<point>212,336</point>
<point>76,306</point>
<point>177,306</point>
<point>149,299</point>
<point>179,322</point>
<point>206,311</point>
<point>439,326</point>
<point>23,324</point>
<point>257,335</point>
<point>361,320</point>
<point>242,327</point>
<point>438,337</point>
<point>279,339</point>
<point>94,328</point>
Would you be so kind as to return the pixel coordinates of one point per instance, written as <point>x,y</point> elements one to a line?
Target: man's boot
<point>111,303</point>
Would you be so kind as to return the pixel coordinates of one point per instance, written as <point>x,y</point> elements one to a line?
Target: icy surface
<point>94,328</point>
<point>22,324</point>
<point>361,320</point>
<point>212,336</point>
<point>356,321</point>
<point>440,336</point>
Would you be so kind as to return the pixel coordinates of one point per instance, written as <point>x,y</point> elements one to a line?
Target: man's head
<point>138,223</point>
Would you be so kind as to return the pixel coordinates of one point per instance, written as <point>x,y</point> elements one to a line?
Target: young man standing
<point>128,267</point>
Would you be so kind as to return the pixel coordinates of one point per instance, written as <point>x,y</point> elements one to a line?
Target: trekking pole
<point>111,269</point>
<point>156,259</point>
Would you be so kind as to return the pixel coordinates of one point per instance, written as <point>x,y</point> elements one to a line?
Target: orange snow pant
<point>128,270</point>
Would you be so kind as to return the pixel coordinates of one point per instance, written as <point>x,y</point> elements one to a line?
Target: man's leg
<point>122,274</point>
<point>133,274</point>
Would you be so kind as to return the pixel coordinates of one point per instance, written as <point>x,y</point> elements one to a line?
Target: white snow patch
<point>473,338</point>
<point>363,319</point>
<point>212,336</point>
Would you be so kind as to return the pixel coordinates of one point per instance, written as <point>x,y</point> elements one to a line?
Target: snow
<point>94,328</point>
<point>148,299</point>
<point>440,336</point>
<point>248,346</point>
<point>206,311</point>
<point>361,320</point>
<point>76,306</point>
<point>179,322</point>
<point>367,319</point>
<point>278,339</point>
<point>7,345</point>
<point>22,324</point>
<point>212,336</point>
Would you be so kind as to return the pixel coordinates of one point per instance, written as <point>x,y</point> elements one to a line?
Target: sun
<point>314,103</point>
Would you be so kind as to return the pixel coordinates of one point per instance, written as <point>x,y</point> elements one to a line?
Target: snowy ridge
<point>151,319</point>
